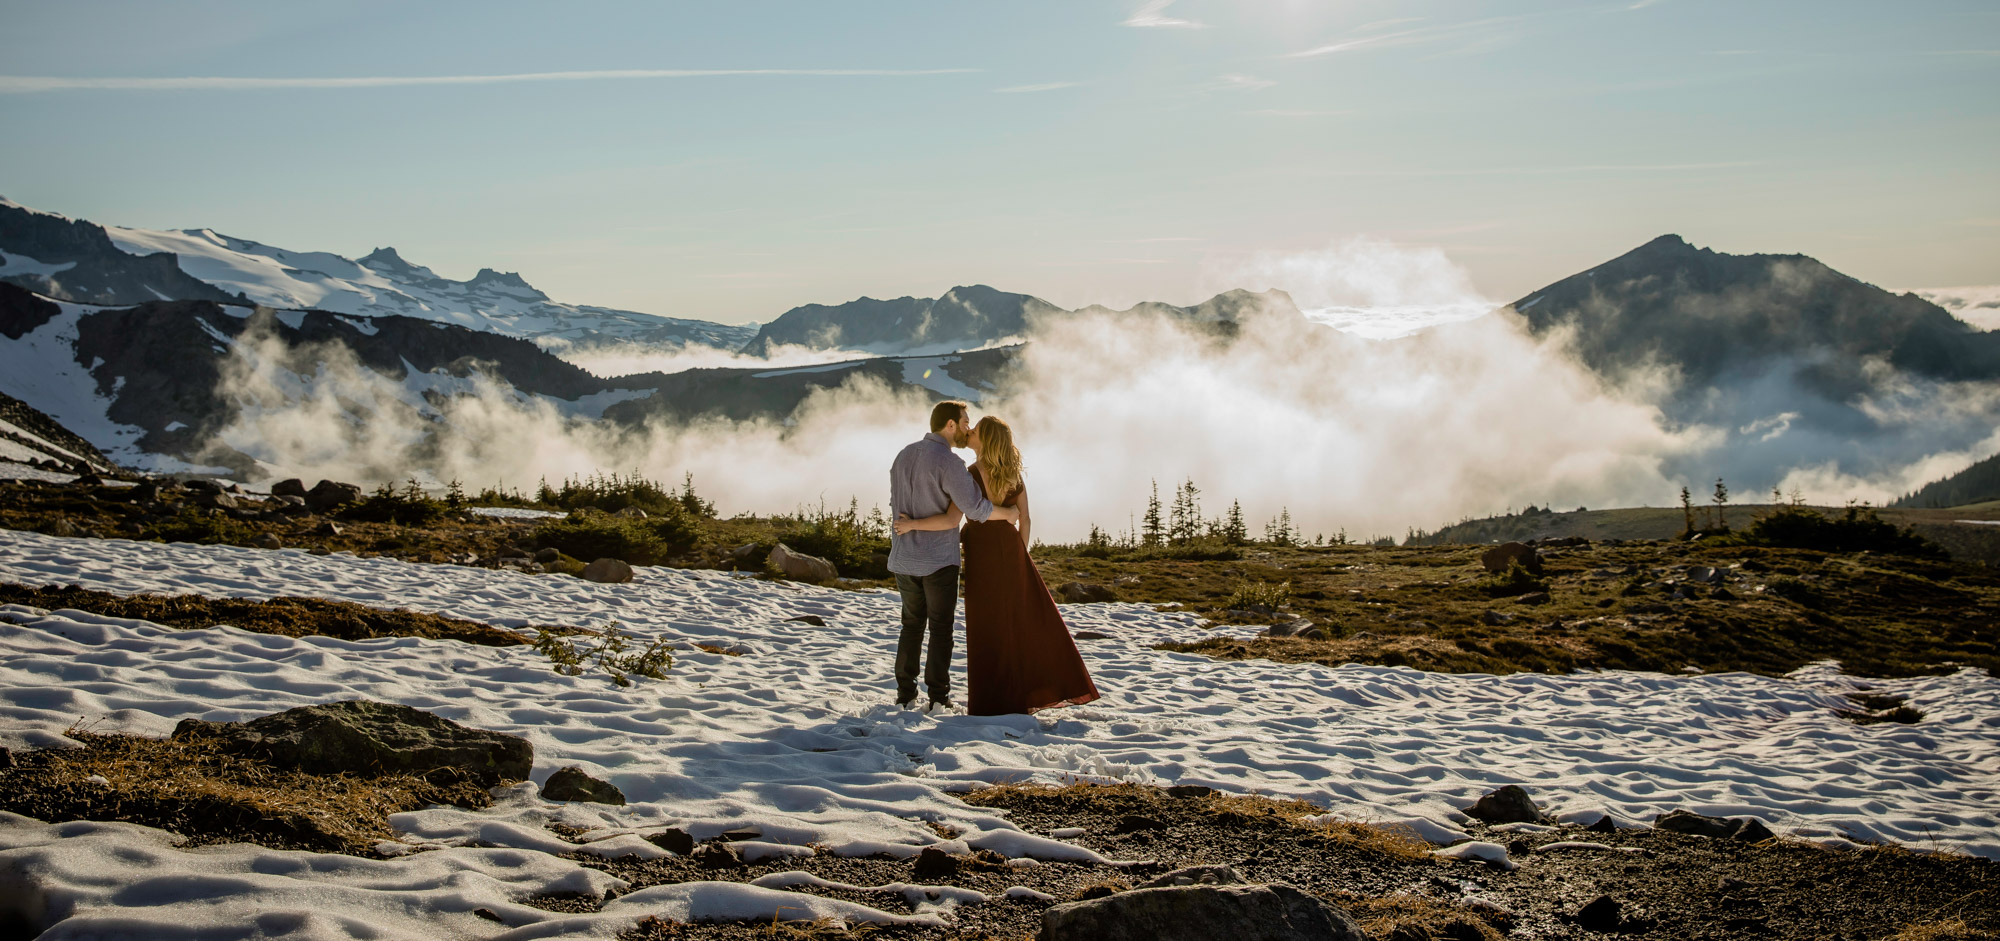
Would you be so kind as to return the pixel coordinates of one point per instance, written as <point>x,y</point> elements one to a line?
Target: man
<point>924,481</point>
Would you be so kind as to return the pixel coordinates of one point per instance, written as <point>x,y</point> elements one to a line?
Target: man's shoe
<point>910,703</point>
<point>941,705</point>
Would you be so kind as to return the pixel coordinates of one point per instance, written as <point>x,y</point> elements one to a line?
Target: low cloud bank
<point>1369,436</point>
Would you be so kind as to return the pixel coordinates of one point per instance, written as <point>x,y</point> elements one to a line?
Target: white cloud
<point>1027,89</point>
<point>1152,14</point>
<point>1474,32</point>
<point>28,84</point>
<point>1243,82</point>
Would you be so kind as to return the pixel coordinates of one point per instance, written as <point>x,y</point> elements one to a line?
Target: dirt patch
<point>192,788</point>
<point>1667,885</point>
<point>288,617</point>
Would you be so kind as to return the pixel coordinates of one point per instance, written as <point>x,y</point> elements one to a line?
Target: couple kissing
<point>1019,656</point>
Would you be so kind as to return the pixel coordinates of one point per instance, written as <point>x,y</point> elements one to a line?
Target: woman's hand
<point>904,524</point>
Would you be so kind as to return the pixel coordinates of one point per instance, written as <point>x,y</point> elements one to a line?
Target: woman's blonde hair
<point>999,460</point>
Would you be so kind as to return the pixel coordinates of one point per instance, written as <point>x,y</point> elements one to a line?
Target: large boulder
<point>572,784</point>
<point>805,568</point>
<point>290,487</point>
<point>1510,804</point>
<point>1201,913</point>
<point>372,738</point>
<point>1499,557</point>
<point>608,571</point>
<point>328,494</point>
<point>1085,593</point>
<point>1747,829</point>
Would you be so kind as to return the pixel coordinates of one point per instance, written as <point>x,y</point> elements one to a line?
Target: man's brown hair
<point>946,411</point>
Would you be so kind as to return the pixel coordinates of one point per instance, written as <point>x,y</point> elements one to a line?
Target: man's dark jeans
<point>927,600</point>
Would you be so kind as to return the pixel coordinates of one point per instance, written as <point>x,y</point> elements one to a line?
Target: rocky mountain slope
<point>85,262</point>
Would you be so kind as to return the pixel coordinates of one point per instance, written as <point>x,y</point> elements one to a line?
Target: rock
<point>1722,594</point>
<point>812,619</point>
<point>1510,804</point>
<point>1313,633</point>
<point>673,839</point>
<point>1706,574</point>
<point>1085,593</point>
<point>1752,830</point>
<point>1189,790</point>
<point>1681,821</point>
<point>606,571</point>
<point>1495,618</point>
<point>1604,824</point>
<point>740,834</point>
<point>1090,635</point>
<point>320,550</point>
<point>214,501</point>
<point>63,527</point>
<point>1602,914</point>
<point>289,487</point>
<point>146,492</point>
<point>718,856</point>
<point>1197,875</point>
<point>805,568</point>
<point>744,553</point>
<point>328,528</point>
<point>1201,913</point>
<point>572,784</point>
<point>1290,628</point>
<point>1533,597</point>
<point>6,758</point>
<point>268,541</point>
<point>1498,558</point>
<point>369,738</point>
<point>328,494</point>
<point>88,479</point>
<point>1133,823</point>
<point>513,552</point>
<point>546,556</point>
<point>934,863</point>
<point>202,485</point>
<point>288,502</point>
<point>631,513</point>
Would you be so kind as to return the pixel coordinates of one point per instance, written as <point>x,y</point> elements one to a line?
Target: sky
<point>730,161</point>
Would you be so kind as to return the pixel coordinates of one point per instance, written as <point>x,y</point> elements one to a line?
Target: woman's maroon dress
<point>1018,653</point>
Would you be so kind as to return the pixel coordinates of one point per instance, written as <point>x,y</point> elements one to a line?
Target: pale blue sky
<point>1087,152</point>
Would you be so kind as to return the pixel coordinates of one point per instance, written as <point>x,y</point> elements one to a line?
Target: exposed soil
<point>288,617</point>
<point>187,786</point>
<point>1669,886</point>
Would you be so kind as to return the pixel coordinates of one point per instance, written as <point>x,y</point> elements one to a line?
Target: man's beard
<point>964,438</point>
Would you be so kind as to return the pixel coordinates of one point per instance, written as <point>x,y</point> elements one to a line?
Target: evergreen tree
<point>1233,528</point>
<point>1687,512</point>
<point>1153,530</point>
<point>1721,504</point>
<point>1186,524</point>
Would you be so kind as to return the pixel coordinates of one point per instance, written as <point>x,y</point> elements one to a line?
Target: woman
<point>1018,653</point>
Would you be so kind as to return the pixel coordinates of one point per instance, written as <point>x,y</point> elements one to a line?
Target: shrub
<point>1271,596</point>
<point>1517,580</point>
<point>191,525</point>
<point>1858,530</point>
<point>650,541</point>
<point>847,539</point>
<point>609,655</point>
<point>612,493</point>
<point>410,507</point>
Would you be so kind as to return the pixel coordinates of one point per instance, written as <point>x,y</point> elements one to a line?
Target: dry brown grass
<point>1220,809</point>
<point>1954,929</point>
<point>1415,918</point>
<point>725,651</point>
<point>189,786</point>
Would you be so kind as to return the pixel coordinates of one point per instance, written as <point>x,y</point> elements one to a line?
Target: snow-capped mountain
<point>46,252</point>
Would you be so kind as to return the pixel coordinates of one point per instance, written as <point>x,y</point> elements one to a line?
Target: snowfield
<point>798,739</point>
